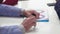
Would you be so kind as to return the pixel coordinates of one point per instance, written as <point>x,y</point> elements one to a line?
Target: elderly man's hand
<point>29,22</point>
<point>29,13</point>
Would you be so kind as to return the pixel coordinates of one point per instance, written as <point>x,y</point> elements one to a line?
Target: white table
<point>51,27</point>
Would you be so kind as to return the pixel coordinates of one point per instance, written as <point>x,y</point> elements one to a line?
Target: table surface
<point>51,27</point>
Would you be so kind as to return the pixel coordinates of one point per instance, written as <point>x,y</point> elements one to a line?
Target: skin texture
<point>31,19</point>
<point>29,22</point>
<point>29,13</point>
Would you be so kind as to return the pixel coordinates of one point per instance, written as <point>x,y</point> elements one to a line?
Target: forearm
<point>10,11</point>
<point>12,30</point>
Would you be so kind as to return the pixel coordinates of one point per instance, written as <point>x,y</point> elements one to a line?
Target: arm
<point>10,11</point>
<point>24,27</point>
<point>12,30</point>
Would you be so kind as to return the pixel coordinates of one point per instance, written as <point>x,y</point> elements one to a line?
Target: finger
<point>30,25</point>
<point>28,14</point>
<point>37,14</point>
<point>29,20</point>
<point>33,24</point>
<point>32,19</point>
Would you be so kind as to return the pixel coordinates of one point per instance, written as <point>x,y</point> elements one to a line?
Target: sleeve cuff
<point>22,28</point>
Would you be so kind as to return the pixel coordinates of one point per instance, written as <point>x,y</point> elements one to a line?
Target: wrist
<point>25,27</point>
<point>23,11</point>
<point>22,28</point>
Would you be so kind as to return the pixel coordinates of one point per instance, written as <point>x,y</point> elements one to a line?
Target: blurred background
<point>51,27</point>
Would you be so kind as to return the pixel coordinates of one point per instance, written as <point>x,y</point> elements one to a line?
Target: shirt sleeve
<point>10,11</point>
<point>12,30</point>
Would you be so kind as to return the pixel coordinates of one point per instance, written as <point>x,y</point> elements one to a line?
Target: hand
<point>29,13</point>
<point>29,22</point>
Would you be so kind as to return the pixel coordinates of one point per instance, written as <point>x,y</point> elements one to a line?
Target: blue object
<point>42,20</point>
